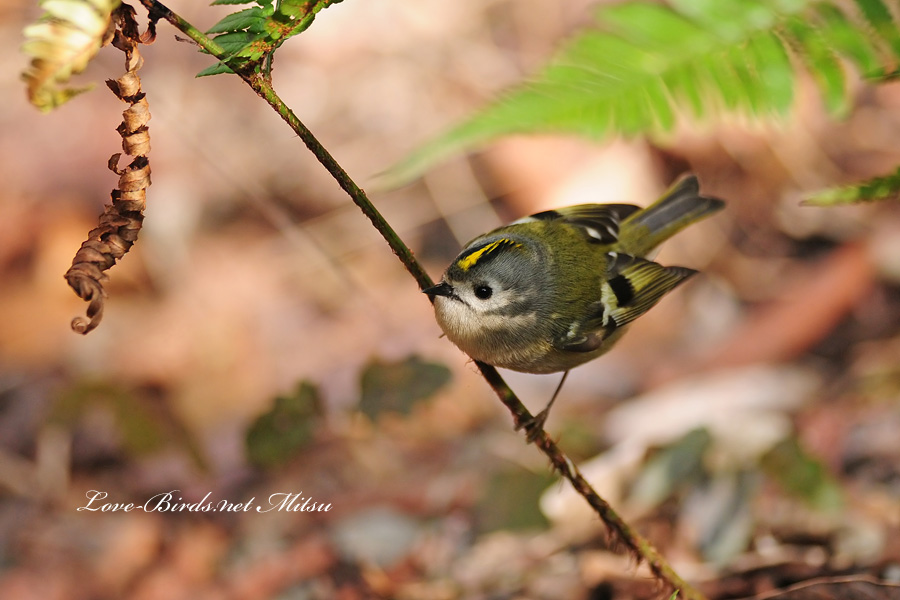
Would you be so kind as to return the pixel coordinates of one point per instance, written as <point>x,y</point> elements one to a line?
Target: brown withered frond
<point>121,221</point>
<point>62,43</point>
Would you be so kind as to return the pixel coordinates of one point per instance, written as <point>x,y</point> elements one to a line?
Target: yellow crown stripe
<point>469,261</point>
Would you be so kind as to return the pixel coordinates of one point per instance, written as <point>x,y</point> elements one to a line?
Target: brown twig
<point>619,530</point>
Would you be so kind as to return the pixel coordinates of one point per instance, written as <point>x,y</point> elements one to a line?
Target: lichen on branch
<point>122,219</point>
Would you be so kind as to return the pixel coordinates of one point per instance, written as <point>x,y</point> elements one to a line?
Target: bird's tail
<point>679,207</point>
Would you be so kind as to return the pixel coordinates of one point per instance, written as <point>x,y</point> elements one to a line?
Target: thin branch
<point>357,194</point>
<point>157,11</point>
<point>620,531</point>
<point>264,89</point>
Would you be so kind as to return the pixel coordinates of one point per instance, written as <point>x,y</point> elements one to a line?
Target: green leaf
<point>730,20</point>
<point>802,475</point>
<point>398,386</point>
<point>258,31</point>
<point>250,19</point>
<point>774,71</point>
<point>684,86</point>
<point>510,501</point>
<point>298,14</point>
<point>142,425</point>
<point>139,430</point>
<point>651,26</point>
<point>216,69</point>
<point>848,39</point>
<point>878,15</point>
<point>725,84</point>
<point>658,103</point>
<point>670,468</point>
<point>295,8</point>
<point>723,518</point>
<point>814,49</point>
<point>234,42</point>
<point>747,82</point>
<point>879,188</point>
<point>263,3</point>
<point>277,435</point>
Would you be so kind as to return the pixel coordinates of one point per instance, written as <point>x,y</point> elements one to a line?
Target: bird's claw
<point>534,426</point>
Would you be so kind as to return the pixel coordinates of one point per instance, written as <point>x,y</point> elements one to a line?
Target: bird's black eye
<point>483,292</point>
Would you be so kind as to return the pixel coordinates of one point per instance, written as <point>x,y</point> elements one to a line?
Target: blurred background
<point>260,338</point>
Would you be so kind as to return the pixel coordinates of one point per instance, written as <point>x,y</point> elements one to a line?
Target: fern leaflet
<point>645,65</point>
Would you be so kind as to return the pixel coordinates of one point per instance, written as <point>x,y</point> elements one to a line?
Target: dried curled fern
<point>646,64</point>
<point>62,43</point>
<point>122,219</point>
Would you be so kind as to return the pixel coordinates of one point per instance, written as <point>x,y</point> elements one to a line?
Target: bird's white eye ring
<point>483,292</point>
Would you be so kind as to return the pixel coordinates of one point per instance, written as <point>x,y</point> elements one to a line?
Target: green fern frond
<point>879,18</point>
<point>879,188</point>
<point>645,65</point>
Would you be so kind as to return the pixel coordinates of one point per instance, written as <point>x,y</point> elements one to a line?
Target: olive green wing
<point>635,284</point>
<point>632,286</point>
<point>599,222</point>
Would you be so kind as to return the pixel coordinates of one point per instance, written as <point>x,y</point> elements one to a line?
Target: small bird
<point>556,289</point>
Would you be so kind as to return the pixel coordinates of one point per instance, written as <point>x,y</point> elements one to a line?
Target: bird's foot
<point>534,426</point>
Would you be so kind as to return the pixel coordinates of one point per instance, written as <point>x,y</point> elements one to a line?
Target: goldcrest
<point>556,289</point>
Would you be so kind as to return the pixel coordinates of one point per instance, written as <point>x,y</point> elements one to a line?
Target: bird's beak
<point>441,289</point>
